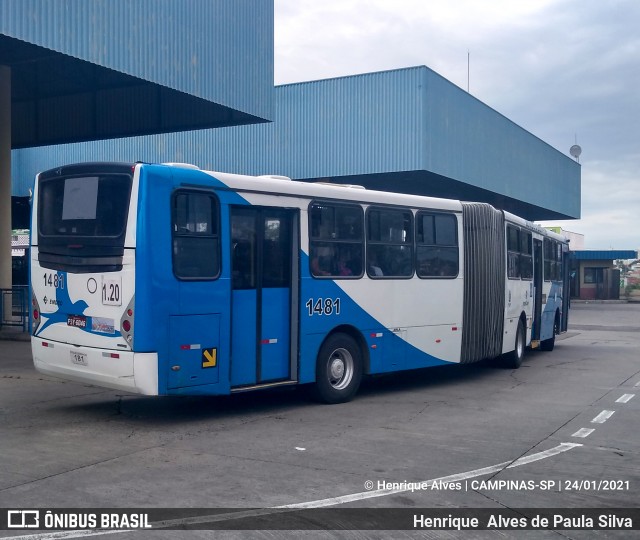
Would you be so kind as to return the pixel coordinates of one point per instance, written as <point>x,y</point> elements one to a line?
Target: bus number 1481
<point>54,280</point>
<point>323,306</point>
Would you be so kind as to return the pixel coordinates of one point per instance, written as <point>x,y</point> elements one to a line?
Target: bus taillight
<point>126,324</point>
<point>35,313</point>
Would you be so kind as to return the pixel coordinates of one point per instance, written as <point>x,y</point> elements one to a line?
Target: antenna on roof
<point>468,67</point>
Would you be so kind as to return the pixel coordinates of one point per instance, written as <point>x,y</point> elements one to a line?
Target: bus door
<point>566,290</point>
<point>263,267</point>
<point>537,289</point>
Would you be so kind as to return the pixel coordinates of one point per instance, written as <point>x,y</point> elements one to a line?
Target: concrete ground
<point>71,445</point>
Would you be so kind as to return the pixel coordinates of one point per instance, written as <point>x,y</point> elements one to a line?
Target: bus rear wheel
<point>338,369</point>
<point>513,359</point>
<point>549,344</point>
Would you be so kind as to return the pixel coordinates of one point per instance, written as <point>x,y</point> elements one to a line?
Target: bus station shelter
<point>78,71</point>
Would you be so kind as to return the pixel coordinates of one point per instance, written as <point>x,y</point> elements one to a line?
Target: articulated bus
<point>164,279</point>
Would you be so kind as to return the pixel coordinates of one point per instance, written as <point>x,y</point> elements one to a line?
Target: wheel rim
<point>340,369</point>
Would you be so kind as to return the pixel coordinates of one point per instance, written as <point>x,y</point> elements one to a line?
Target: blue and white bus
<point>167,279</point>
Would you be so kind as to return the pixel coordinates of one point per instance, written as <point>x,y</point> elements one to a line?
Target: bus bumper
<point>120,370</point>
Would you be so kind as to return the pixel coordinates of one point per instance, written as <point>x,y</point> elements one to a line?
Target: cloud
<point>559,68</point>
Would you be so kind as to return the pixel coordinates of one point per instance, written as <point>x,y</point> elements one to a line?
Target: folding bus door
<point>537,289</point>
<point>262,265</point>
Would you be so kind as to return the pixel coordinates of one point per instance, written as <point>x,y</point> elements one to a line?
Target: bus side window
<point>389,242</point>
<point>196,242</point>
<point>526,257</point>
<point>336,242</point>
<point>552,260</point>
<point>436,245</point>
<point>513,252</point>
<point>547,250</point>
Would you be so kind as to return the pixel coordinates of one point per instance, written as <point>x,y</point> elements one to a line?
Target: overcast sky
<point>561,69</point>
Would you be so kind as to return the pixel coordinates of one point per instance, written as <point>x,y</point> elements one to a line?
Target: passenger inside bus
<point>374,268</point>
<point>318,268</point>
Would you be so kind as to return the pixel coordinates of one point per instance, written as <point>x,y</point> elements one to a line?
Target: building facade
<point>407,130</point>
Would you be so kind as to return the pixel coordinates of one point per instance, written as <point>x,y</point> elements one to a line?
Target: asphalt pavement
<point>561,432</point>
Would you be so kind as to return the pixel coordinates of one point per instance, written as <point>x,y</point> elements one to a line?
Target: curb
<point>14,335</point>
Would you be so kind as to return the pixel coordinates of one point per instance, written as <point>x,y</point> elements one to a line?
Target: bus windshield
<point>84,215</point>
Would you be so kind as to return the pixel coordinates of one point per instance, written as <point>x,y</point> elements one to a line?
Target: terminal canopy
<point>57,99</point>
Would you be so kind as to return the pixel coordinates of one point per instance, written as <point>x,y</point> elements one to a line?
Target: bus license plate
<point>78,321</point>
<point>79,358</point>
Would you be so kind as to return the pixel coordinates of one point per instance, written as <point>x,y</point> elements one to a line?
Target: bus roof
<point>512,218</point>
<point>324,190</point>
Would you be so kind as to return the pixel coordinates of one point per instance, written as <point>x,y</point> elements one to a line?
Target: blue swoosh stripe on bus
<point>75,308</point>
<point>315,329</point>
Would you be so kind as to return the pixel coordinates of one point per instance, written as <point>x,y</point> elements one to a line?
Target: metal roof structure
<point>96,69</point>
<point>85,70</point>
<point>407,130</point>
<point>411,130</point>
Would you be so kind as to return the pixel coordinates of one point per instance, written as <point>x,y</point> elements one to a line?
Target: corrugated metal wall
<point>363,124</point>
<point>224,54</point>
<point>403,120</point>
<point>469,141</point>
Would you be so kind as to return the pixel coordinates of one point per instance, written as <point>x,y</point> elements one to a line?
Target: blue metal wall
<point>469,141</point>
<point>224,54</point>
<point>379,123</point>
<point>604,255</point>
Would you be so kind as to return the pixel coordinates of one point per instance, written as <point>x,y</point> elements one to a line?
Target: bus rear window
<point>82,218</point>
<point>84,206</point>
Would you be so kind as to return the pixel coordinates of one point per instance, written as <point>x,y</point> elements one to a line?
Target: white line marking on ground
<point>637,384</point>
<point>583,432</point>
<point>602,417</point>
<point>447,479</point>
<point>320,503</point>
<point>626,398</point>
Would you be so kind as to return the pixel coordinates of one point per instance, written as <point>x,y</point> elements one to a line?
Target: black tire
<point>513,359</point>
<point>338,369</point>
<point>549,344</point>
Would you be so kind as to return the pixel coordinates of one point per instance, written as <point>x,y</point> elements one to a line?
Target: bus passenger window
<point>196,243</point>
<point>547,250</point>
<point>336,242</point>
<point>437,245</point>
<point>526,258</point>
<point>552,260</point>
<point>558,260</point>
<point>389,242</point>
<point>513,253</point>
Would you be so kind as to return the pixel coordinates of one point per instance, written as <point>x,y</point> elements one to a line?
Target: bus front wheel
<point>338,369</point>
